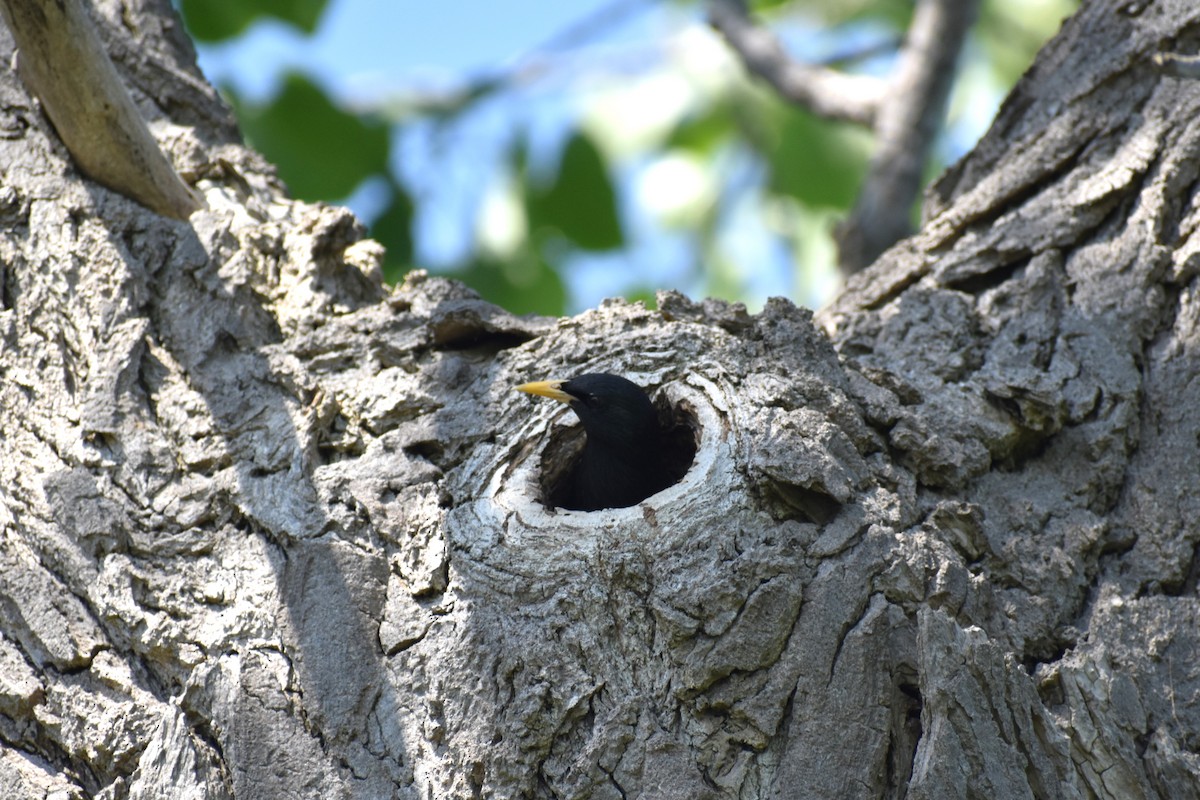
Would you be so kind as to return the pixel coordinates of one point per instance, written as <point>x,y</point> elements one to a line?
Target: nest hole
<point>681,438</point>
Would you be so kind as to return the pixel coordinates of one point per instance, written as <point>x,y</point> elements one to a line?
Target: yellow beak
<point>546,389</point>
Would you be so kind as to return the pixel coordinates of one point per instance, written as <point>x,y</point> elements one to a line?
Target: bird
<point>628,454</point>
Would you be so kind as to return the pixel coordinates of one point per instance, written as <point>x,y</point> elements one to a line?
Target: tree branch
<point>65,67</point>
<point>905,127</point>
<point>826,92</point>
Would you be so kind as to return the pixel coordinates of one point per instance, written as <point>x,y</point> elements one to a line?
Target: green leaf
<point>216,20</point>
<point>644,294</point>
<point>703,133</point>
<point>580,203</point>
<point>322,152</point>
<point>393,230</point>
<point>1010,37</point>
<point>894,13</point>
<point>819,163</point>
<point>523,285</point>
<point>761,6</point>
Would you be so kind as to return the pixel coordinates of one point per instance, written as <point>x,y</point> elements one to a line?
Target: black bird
<point>627,456</point>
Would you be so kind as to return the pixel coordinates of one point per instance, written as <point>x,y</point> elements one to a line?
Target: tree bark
<point>271,530</point>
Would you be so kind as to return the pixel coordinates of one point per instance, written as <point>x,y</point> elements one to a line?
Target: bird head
<point>614,411</point>
<point>628,454</point>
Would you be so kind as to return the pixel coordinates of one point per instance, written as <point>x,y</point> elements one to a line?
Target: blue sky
<point>363,48</point>
<point>365,53</point>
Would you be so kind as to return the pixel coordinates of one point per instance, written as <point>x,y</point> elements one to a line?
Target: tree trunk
<point>271,531</point>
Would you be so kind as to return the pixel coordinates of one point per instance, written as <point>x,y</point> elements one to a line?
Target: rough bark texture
<point>271,531</point>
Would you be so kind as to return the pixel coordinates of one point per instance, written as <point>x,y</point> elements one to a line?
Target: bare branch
<point>906,125</point>
<point>64,65</point>
<point>826,92</point>
<point>905,113</point>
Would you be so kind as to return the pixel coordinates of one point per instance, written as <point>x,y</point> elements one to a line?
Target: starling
<point>627,456</point>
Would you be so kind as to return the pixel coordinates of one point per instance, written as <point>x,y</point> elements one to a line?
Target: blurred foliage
<point>215,20</point>
<point>690,150</point>
<point>817,162</point>
<point>321,151</point>
<point>580,202</point>
<point>525,281</point>
<point>393,229</point>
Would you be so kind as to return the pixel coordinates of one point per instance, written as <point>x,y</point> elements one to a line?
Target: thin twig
<point>905,128</point>
<point>826,92</point>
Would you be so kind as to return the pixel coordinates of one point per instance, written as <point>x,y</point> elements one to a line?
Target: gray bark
<point>271,530</point>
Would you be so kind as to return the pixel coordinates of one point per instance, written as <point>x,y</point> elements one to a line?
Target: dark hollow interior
<point>565,445</point>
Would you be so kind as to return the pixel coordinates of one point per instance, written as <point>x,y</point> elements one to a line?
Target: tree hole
<point>680,440</point>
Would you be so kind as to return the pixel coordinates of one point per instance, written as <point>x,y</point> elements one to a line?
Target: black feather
<point>627,456</point>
